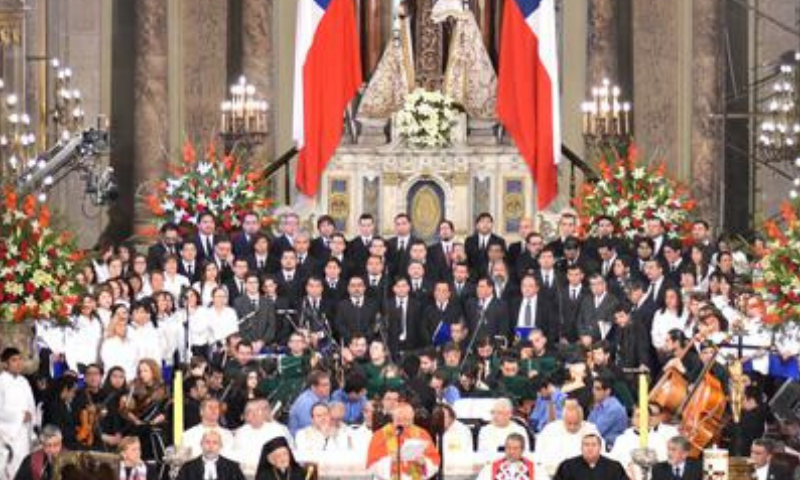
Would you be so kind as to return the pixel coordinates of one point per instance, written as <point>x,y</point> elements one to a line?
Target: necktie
<point>260,264</point>
<point>574,294</point>
<point>402,245</point>
<point>209,247</point>
<point>190,270</point>
<point>255,303</point>
<point>403,319</point>
<point>528,313</point>
<point>357,303</point>
<point>605,267</point>
<point>677,473</point>
<point>459,286</point>
<point>547,280</point>
<point>374,282</point>
<point>289,277</point>
<point>483,243</point>
<point>301,259</point>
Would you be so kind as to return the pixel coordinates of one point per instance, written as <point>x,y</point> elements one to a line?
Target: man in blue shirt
<point>549,403</point>
<point>608,413</point>
<point>319,391</point>
<point>353,396</point>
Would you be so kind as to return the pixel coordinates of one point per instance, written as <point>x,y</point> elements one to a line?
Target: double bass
<point>670,391</point>
<point>703,412</point>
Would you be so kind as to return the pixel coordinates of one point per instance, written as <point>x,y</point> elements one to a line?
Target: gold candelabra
<point>606,117</point>
<point>243,120</point>
<point>17,140</point>
<point>68,112</point>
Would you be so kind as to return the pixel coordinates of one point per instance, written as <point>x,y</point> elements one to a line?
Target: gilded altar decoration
<point>427,119</point>
<point>213,184</point>
<point>426,208</point>
<point>632,193</point>
<point>39,264</point>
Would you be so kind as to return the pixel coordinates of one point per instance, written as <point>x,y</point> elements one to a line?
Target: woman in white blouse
<point>117,349</point>
<point>208,282</point>
<point>144,332</point>
<point>105,300</point>
<point>170,329</point>
<point>83,340</point>
<point>174,282</point>
<point>672,315</point>
<point>220,318</point>
<point>198,331</point>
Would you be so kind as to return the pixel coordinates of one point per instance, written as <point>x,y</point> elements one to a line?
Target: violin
<point>87,421</point>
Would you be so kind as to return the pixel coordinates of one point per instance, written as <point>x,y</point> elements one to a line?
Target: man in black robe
<point>590,465</point>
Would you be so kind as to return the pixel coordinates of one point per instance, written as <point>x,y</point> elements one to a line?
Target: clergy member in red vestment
<point>513,466</point>
<point>419,459</point>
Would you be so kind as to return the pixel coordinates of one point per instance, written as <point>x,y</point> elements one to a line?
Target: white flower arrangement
<point>427,119</point>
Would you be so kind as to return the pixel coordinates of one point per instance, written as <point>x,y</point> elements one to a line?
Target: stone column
<point>150,97</point>
<point>707,100</point>
<point>372,23</point>
<point>603,42</point>
<point>257,65</point>
<point>205,43</point>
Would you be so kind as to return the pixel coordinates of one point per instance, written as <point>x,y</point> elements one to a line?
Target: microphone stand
<point>399,432</point>
<point>473,338</point>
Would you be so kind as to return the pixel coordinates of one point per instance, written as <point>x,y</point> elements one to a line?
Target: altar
<point>455,183</point>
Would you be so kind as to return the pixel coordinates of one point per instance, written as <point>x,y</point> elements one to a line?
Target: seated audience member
<point>131,466</point>
<point>259,428</point>
<point>40,464</point>
<point>660,434</point>
<point>513,465</point>
<point>678,465</point>
<point>762,459</point>
<point>211,464</point>
<point>321,435</point>
<point>458,438</point>
<point>590,465</point>
<point>563,438</point>
<point>276,462</point>
<point>493,435</point>
<point>319,390</point>
<point>608,415</point>
<point>210,411</point>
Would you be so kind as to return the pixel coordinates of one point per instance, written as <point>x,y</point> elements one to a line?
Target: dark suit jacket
<point>437,267</point>
<point>357,253</point>
<point>414,331</point>
<point>271,265</point>
<point>515,250</point>
<point>350,320</point>
<point>333,295</point>
<point>497,322</point>
<point>291,291</point>
<point>425,292</point>
<point>156,254</point>
<point>242,247</point>
<point>692,470</point>
<point>630,346</point>
<point>202,255</point>
<point>233,290</point>
<point>546,316</point>
<point>467,293</point>
<point>310,266</point>
<point>589,316</point>
<point>568,312</point>
<point>279,245</point>
<point>477,258</point>
<point>525,264</point>
<point>262,325</point>
<point>196,272</point>
<point>432,317</point>
<point>398,261</point>
<point>226,470</point>
<point>318,248</point>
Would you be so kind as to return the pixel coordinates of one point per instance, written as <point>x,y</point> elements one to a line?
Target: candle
<point>644,412</point>
<point>177,397</point>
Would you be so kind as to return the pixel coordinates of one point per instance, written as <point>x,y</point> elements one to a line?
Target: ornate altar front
<point>455,183</point>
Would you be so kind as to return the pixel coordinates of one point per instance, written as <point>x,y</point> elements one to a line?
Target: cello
<point>670,391</point>
<point>703,412</point>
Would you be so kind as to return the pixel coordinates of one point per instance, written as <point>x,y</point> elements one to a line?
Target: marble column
<point>150,97</point>
<point>205,43</point>
<point>707,100</point>
<point>603,42</point>
<point>257,65</point>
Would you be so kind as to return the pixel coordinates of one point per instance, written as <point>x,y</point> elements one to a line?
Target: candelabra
<point>244,118</point>
<point>17,141</point>
<point>606,118</point>
<point>779,130</point>
<point>68,113</point>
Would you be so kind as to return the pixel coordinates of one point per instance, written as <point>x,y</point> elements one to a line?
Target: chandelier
<point>17,141</point>
<point>243,122</point>
<point>67,113</point>
<point>606,117</point>
<point>779,129</point>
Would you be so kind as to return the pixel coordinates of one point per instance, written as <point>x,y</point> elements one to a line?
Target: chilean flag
<point>528,93</point>
<point>327,76</point>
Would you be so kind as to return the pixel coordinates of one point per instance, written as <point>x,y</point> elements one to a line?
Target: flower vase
<point>20,335</point>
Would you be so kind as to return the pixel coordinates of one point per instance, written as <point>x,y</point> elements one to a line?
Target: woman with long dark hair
<point>144,407</point>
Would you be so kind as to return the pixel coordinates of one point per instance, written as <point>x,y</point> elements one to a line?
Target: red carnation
<point>29,288</point>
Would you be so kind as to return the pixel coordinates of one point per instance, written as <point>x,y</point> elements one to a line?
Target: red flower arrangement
<point>631,194</point>
<point>780,282</point>
<point>214,184</point>
<point>38,265</point>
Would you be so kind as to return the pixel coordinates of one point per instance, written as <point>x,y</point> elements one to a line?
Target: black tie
<point>677,473</point>
<point>190,270</point>
<point>209,247</point>
<point>255,304</point>
<point>261,264</point>
<point>528,313</point>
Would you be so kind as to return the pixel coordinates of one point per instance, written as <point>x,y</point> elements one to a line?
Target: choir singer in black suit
<point>532,310</point>
<point>487,315</point>
<point>403,313</point>
<point>356,314</point>
<point>257,321</point>
<point>211,465</point>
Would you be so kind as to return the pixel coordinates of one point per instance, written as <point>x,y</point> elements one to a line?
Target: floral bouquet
<point>427,119</point>
<point>38,265</point>
<point>213,184</point>
<point>780,274</point>
<point>631,194</point>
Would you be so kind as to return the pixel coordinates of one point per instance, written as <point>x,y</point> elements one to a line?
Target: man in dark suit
<point>656,231</point>
<point>307,264</point>
<point>243,241</point>
<point>549,277</point>
<point>236,283</point>
<point>205,238</point>
<point>567,227</point>
<point>569,299</point>
<point>188,265</point>
<point>378,282</point>
<point>673,260</point>
<point>761,456</point>
<point>256,314</point>
<point>477,244</point>
<point>290,223</point>
<point>421,287</point>
<point>596,316</point>
<point>654,269</point>
<point>487,316</point>
<point>643,308</point>
<point>335,287</point>
<point>678,465</point>
<point>505,285</point>
<point>223,257</point>
<point>317,313</point>
<point>462,287</point>
<point>440,253</point>
<point>403,313</point>
<point>357,313</point>
<point>516,249</point>
<point>358,248</point>
<point>211,465</point>
<point>528,261</point>
<point>338,247</point>
<point>260,259</point>
<point>574,255</point>
<point>629,341</point>
<point>398,246</point>
<point>532,310</point>
<point>168,244</point>
<point>290,281</point>
<point>442,312</point>
<point>320,246</point>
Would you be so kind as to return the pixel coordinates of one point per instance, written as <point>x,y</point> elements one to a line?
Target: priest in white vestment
<point>493,435</point>
<point>561,439</point>
<point>257,430</point>
<point>17,408</point>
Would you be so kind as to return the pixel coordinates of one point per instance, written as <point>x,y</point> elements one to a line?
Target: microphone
<point>400,429</point>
